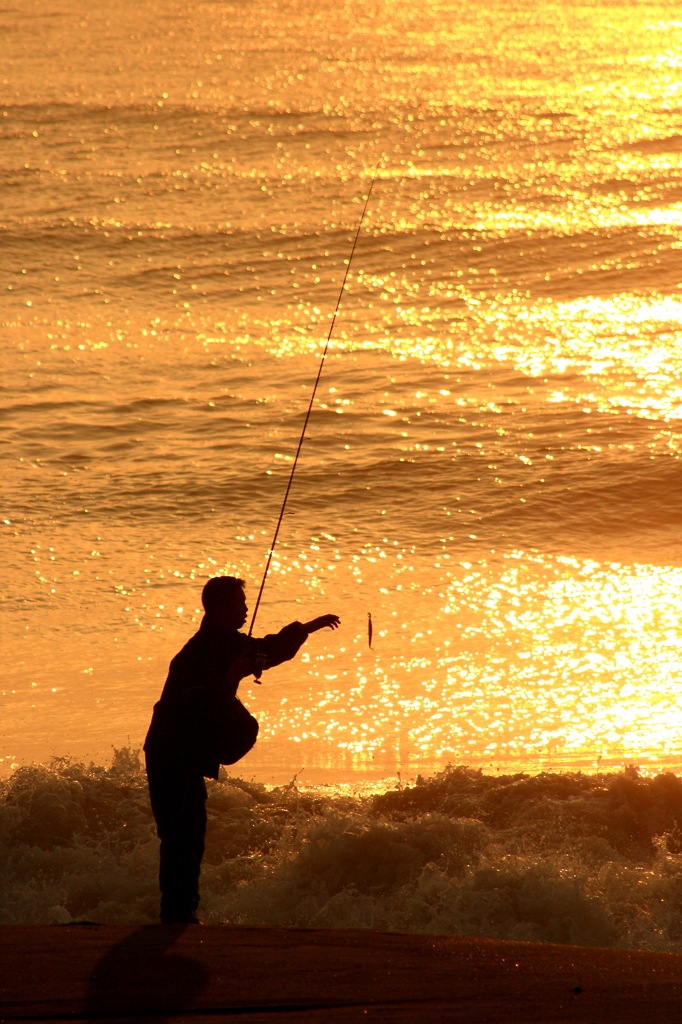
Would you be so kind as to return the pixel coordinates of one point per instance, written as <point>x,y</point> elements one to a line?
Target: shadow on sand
<point>140,976</point>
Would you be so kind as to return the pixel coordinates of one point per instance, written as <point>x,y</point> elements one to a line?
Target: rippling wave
<point>593,860</point>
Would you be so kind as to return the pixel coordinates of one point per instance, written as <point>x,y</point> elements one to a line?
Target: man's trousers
<point>178,798</point>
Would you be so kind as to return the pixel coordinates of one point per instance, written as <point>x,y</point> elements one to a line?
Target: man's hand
<point>333,621</point>
<point>240,667</point>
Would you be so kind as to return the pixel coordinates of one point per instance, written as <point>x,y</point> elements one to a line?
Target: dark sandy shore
<point>179,973</point>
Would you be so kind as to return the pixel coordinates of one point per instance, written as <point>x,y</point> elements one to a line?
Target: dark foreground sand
<point>197,973</point>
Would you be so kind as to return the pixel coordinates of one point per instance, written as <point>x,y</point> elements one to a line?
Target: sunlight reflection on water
<point>492,469</point>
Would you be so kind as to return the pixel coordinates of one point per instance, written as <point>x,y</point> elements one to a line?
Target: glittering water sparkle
<point>493,465</point>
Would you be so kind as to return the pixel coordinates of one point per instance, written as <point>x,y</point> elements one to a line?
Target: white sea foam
<point>552,858</point>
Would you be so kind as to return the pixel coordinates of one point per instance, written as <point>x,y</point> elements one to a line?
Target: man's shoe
<point>189,918</point>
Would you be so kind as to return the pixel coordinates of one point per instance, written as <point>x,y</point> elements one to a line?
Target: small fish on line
<point>369,629</point>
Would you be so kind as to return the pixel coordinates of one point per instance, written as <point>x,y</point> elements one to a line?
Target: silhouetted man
<point>199,724</point>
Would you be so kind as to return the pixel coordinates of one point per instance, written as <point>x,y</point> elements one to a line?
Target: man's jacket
<point>189,721</point>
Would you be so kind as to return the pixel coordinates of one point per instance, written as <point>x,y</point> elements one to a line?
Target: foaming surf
<point>570,858</point>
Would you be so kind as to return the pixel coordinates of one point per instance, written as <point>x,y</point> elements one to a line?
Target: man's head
<point>224,601</point>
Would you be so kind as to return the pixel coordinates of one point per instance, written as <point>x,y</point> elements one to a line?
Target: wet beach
<point>166,972</point>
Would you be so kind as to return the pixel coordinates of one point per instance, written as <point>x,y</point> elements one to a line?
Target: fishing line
<point>312,399</point>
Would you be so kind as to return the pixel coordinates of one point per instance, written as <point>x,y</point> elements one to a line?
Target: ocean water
<point>492,465</point>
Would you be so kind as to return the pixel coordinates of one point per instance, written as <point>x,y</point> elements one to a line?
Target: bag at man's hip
<point>234,731</point>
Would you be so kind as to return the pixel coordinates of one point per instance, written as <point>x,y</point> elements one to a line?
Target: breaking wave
<point>582,859</point>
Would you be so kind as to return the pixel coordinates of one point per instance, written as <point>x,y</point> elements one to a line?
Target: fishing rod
<point>312,399</point>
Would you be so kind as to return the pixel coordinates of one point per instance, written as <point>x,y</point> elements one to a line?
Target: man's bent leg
<point>178,798</point>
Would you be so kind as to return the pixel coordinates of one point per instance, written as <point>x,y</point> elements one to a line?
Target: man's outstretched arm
<point>321,622</point>
<point>282,646</point>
